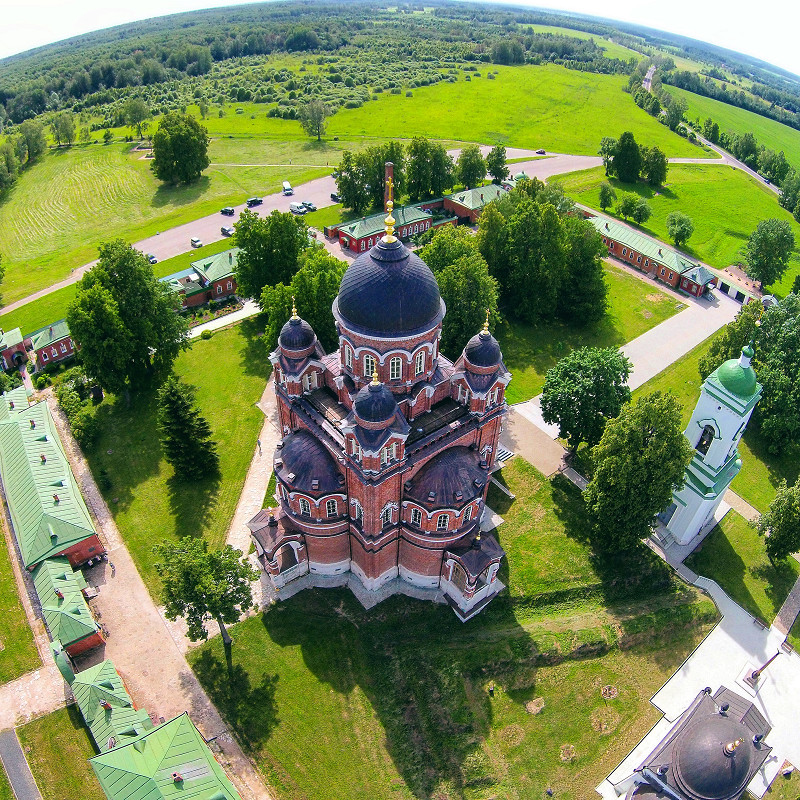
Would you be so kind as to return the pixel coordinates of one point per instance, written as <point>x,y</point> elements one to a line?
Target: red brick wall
<point>89,643</point>
<point>328,549</point>
<point>81,552</point>
<point>375,563</point>
<point>223,285</point>
<point>59,356</point>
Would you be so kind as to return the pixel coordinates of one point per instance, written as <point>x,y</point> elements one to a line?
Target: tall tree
<point>313,289</point>
<point>627,204</point>
<point>640,459</point>
<point>351,183</point>
<point>491,240</point>
<point>269,249</point>
<point>180,149</point>
<point>372,161</point>
<point>583,391</point>
<point>780,524</point>
<point>314,118</point>
<point>641,211</point>
<point>63,127</point>
<point>607,195</point>
<point>626,163</point>
<point>135,112</point>
<point>185,433</point>
<point>447,245</point>
<point>675,111</point>
<point>733,337</point>
<point>9,165</point>
<point>442,170</point>
<point>124,320</point>
<point>496,163</point>
<point>583,296</point>
<point>418,169</point>
<point>679,227</point>
<point>202,585</point>
<point>654,165</point>
<point>470,166</point>
<point>768,250</point>
<point>31,141</point>
<point>608,149</point>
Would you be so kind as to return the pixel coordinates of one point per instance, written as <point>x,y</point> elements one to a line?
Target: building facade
<point>51,344</point>
<point>387,445</point>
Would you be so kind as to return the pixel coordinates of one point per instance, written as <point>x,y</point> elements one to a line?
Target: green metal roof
<point>42,526</point>
<point>44,337</point>
<point>475,199</point>
<point>67,617</point>
<point>219,266</point>
<point>107,707</point>
<point>369,226</point>
<point>707,482</point>
<point>737,379</point>
<point>10,338</point>
<point>699,275</point>
<point>144,769</point>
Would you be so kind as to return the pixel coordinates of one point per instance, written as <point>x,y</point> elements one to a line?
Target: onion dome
<point>483,350</point>
<point>449,480</point>
<point>374,405</point>
<point>303,463</point>
<point>296,334</point>
<point>713,758</point>
<point>389,291</point>
<point>738,377</point>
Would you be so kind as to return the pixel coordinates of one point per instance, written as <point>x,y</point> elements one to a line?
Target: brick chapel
<point>387,445</point>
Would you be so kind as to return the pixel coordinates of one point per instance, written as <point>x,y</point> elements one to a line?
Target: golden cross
<point>390,186</point>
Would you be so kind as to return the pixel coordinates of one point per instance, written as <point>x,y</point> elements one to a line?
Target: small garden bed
<point>212,310</point>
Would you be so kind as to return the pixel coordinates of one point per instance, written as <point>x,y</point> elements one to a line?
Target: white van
<point>287,188</point>
<point>297,208</point>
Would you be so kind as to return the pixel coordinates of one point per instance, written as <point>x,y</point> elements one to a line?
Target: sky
<point>766,29</point>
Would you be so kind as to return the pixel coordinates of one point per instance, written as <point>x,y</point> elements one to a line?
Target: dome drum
<point>297,338</point>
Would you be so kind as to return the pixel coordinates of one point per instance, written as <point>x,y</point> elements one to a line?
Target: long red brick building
<point>387,445</point>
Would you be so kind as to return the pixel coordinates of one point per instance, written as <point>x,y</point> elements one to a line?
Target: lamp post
<point>753,677</point>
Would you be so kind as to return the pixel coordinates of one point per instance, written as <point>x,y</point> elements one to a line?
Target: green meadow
<point>724,204</point>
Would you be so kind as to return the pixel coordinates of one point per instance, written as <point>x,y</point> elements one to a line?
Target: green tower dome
<point>737,377</point>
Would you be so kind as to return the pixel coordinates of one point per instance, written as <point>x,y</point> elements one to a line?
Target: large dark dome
<point>482,350</point>
<point>703,769</point>
<point>375,403</point>
<point>296,334</point>
<point>456,471</point>
<point>307,461</point>
<point>389,290</point>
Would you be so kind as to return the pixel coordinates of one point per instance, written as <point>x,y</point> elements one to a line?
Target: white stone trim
<point>335,568</point>
<point>415,579</point>
<point>371,584</point>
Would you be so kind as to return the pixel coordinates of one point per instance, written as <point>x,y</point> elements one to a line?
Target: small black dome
<point>482,350</point>
<point>455,471</point>
<point>389,290</point>
<point>702,767</point>
<point>296,334</point>
<point>375,403</point>
<point>308,461</point>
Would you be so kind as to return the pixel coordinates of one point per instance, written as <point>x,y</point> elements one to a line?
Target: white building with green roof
<point>727,400</point>
<point>48,513</point>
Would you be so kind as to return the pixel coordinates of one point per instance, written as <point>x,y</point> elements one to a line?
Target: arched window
<point>416,517</point>
<point>396,369</point>
<point>356,450</point>
<point>706,437</point>
<point>467,513</point>
<point>348,357</point>
<point>442,522</point>
<point>358,512</point>
<point>305,507</point>
<point>369,366</point>
<point>419,363</point>
<point>386,516</point>
<point>330,508</point>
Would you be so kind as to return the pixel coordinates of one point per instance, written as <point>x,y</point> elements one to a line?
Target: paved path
<point>789,610</point>
<point>157,675</point>
<point>249,309</point>
<point>741,506</point>
<point>16,766</point>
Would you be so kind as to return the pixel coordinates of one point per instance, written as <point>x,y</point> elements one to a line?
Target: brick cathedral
<point>387,446</point>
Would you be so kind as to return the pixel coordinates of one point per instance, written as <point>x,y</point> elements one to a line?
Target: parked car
<point>254,201</point>
<point>309,205</point>
<point>297,208</point>
<point>151,258</point>
<point>227,211</point>
<point>287,188</point>
<point>540,152</point>
<point>196,242</point>
<point>227,230</point>
<point>335,197</point>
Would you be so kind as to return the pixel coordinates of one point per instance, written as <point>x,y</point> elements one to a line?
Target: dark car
<point>254,201</point>
<point>335,197</point>
<point>227,211</point>
<point>152,259</point>
<point>540,152</point>
<point>309,205</point>
<point>227,230</point>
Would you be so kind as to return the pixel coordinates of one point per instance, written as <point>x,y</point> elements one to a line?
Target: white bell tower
<point>727,400</point>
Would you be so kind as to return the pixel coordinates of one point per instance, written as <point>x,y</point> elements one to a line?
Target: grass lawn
<point>57,748</point>
<point>761,471</point>
<point>767,131</point>
<point>562,110</point>
<point>724,203</point>
<point>529,351</point>
<point>5,786</point>
<point>733,555</point>
<point>18,653</point>
<point>394,702</point>
<point>149,506</point>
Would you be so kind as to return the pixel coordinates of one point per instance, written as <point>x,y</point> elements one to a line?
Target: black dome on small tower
<point>375,403</point>
<point>483,350</point>
<point>389,290</point>
<point>296,334</point>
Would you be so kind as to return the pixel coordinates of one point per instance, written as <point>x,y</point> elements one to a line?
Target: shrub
<point>42,381</point>
<point>206,334</point>
<point>84,427</point>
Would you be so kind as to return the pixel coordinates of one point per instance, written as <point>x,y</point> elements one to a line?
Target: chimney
<point>481,197</point>
<point>230,258</point>
<point>33,424</point>
<point>11,404</point>
<point>59,594</point>
<point>51,330</point>
<point>55,499</point>
<point>177,777</point>
<point>43,457</point>
<point>389,176</point>
<point>607,228</point>
<point>105,704</point>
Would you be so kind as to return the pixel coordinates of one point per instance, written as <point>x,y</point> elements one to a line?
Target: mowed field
<point>610,49</point>
<point>730,118</point>
<point>724,204</point>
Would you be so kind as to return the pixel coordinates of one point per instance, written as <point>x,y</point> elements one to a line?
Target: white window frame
<point>348,357</point>
<point>419,363</point>
<point>467,513</point>
<point>442,522</point>
<point>386,516</point>
<point>44,356</point>
<point>331,508</point>
<point>63,347</point>
<point>370,365</point>
<point>219,288</point>
<point>359,511</point>
<point>230,285</point>
<point>416,517</point>
<point>356,447</point>
<point>396,369</point>
<point>305,507</point>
